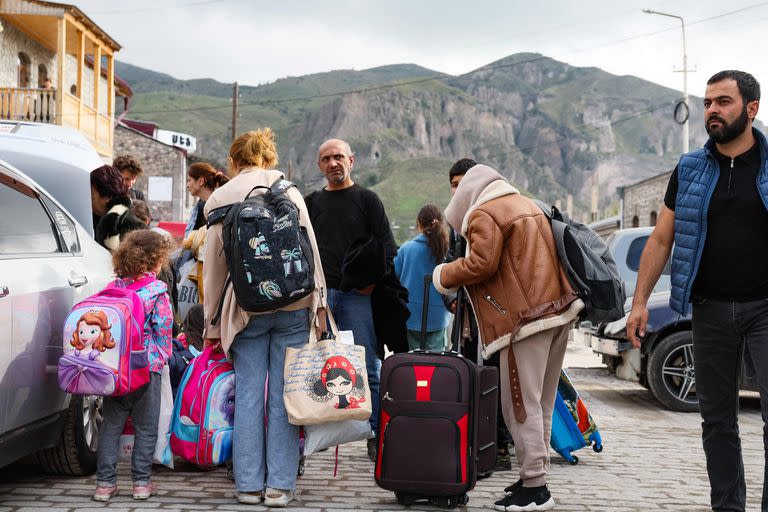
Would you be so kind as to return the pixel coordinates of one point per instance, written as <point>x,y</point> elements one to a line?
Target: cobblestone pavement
<point>652,460</point>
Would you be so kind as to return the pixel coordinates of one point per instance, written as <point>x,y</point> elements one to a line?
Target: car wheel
<point>76,452</point>
<point>671,377</point>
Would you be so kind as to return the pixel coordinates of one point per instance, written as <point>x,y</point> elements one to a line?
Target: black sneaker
<point>526,499</point>
<point>514,487</point>
<point>372,447</point>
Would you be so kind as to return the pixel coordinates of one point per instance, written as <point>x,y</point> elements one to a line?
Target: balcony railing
<point>38,105</point>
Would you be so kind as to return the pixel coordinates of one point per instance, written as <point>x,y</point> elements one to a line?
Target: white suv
<point>48,262</point>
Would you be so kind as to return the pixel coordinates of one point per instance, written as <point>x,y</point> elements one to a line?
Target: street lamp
<point>685,72</point>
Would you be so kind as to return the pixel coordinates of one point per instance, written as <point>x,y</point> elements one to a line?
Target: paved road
<point>652,461</point>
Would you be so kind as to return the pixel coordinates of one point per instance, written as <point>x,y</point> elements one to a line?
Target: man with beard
<point>715,214</point>
<point>343,215</point>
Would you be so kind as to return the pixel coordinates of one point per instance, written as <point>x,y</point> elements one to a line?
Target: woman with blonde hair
<point>265,459</point>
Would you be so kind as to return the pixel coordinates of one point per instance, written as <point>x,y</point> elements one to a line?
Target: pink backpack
<point>104,349</point>
<point>204,410</point>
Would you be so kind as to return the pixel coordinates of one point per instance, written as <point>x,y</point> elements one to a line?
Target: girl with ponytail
<point>416,258</point>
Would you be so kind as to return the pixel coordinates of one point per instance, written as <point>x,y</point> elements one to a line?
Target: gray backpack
<point>589,266</point>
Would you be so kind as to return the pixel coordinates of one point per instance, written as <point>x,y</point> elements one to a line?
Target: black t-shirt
<point>733,264</point>
<point>340,218</point>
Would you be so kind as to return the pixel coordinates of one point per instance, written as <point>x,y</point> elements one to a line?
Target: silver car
<point>48,262</point>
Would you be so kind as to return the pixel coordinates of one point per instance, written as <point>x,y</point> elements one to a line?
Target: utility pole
<point>235,94</point>
<point>684,71</point>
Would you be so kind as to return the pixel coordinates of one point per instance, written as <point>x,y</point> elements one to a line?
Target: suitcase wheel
<point>573,460</point>
<point>301,466</point>
<point>450,501</point>
<point>597,447</point>
<point>405,499</point>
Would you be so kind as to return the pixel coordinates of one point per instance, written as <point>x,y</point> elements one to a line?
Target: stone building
<point>642,201</point>
<point>165,169</point>
<point>41,41</point>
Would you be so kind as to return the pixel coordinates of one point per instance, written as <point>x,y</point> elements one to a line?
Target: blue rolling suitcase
<point>572,426</point>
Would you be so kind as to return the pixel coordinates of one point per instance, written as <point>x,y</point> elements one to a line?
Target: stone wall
<point>13,41</point>
<point>157,159</point>
<point>644,199</point>
<point>70,72</point>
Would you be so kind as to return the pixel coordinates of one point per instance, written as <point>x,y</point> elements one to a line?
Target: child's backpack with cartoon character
<point>204,410</point>
<point>104,350</point>
<point>268,254</point>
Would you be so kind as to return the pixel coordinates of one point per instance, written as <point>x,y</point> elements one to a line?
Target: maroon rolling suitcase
<point>430,423</point>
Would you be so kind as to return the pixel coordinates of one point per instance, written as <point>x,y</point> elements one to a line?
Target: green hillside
<point>547,126</point>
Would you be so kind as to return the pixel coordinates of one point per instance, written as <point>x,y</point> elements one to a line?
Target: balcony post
<point>61,55</point>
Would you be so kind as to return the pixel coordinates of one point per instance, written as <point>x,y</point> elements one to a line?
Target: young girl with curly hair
<point>139,257</point>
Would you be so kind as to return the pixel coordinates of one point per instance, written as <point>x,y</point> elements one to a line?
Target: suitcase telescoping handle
<point>424,311</point>
<point>458,320</point>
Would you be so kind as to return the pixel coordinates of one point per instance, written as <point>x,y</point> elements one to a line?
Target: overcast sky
<point>257,41</point>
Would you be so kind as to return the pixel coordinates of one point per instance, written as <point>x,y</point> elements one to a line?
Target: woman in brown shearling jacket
<point>524,306</point>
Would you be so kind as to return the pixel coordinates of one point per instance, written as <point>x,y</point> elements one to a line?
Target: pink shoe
<point>104,493</point>
<point>143,492</point>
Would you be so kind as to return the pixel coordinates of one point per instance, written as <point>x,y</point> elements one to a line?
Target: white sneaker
<point>250,498</point>
<point>278,497</point>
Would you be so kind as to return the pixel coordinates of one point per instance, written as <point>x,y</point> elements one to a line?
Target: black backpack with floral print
<point>268,254</point>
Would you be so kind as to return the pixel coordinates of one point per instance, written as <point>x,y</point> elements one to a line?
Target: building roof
<point>621,190</point>
<point>43,8</point>
<point>121,86</point>
<point>145,127</point>
<point>122,124</point>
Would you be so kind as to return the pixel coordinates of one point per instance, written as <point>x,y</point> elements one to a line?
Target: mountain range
<point>553,129</point>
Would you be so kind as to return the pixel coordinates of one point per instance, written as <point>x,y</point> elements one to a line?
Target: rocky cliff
<point>552,128</point>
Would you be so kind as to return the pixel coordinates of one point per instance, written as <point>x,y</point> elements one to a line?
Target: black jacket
<point>366,262</point>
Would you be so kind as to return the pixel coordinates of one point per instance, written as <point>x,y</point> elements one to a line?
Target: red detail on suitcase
<point>581,410</point>
<point>423,382</point>
<point>463,424</point>
<point>380,441</point>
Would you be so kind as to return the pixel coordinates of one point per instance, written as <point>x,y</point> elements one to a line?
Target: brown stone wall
<point>157,159</point>
<point>644,198</point>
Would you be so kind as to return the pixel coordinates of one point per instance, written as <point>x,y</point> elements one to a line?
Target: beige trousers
<point>539,360</point>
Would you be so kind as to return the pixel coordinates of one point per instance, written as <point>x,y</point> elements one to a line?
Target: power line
<point>157,8</point>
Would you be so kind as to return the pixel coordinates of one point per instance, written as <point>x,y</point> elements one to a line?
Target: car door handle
<point>4,291</point>
<point>77,281</point>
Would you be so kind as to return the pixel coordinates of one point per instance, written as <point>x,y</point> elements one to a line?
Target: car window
<point>25,227</point>
<point>636,250</point>
<point>66,226</point>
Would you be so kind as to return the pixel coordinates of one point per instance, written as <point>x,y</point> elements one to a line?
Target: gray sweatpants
<point>539,360</point>
<point>143,405</point>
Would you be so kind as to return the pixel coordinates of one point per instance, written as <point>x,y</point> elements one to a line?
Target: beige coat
<point>233,318</point>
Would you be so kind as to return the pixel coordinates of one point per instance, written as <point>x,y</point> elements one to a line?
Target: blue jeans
<point>722,332</point>
<point>143,405</point>
<point>258,351</point>
<point>352,312</point>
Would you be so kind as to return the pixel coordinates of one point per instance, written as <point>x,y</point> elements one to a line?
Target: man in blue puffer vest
<point>716,214</point>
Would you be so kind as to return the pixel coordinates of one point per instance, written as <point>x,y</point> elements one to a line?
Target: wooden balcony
<point>40,106</point>
<point>67,32</point>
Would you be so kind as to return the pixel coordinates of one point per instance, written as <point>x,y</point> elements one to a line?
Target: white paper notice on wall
<point>160,188</point>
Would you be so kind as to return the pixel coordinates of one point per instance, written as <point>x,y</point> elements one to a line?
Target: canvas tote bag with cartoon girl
<point>326,381</point>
